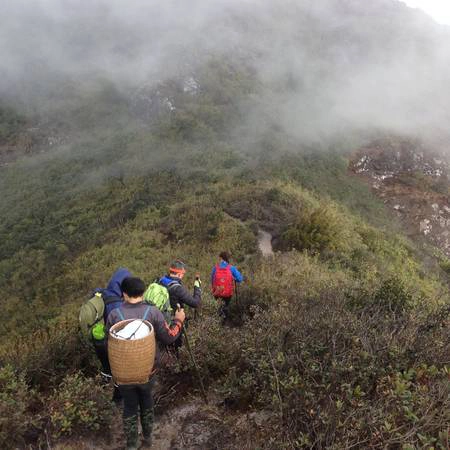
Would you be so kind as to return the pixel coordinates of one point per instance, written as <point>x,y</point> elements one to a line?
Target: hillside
<point>412,178</point>
<point>129,145</point>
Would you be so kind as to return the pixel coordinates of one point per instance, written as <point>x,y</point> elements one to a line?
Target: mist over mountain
<point>324,68</point>
<point>308,138</point>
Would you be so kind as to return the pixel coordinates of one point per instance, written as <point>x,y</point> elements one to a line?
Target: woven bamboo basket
<point>131,361</point>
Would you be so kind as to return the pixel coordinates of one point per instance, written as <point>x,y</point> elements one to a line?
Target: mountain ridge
<point>141,144</point>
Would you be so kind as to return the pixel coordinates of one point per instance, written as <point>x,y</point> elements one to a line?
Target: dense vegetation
<point>342,334</point>
<point>10,123</point>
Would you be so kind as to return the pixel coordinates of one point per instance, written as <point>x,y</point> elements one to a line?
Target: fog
<point>326,67</point>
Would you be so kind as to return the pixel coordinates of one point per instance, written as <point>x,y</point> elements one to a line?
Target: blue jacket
<point>237,276</point>
<point>112,295</point>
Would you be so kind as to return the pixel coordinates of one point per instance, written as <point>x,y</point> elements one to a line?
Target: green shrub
<point>321,368</point>
<point>324,229</point>
<point>393,296</point>
<point>194,221</point>
<point>247,297</point>
<point>11,123</point>
<point>18,418</point>
<point>445,265</point>
<point>79,405</point>
<point>315,231</point>
<point>331,373</point>
<point>214,356</point>
<point>48,354</point>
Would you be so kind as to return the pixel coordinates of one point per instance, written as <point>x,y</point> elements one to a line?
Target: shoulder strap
<point>146,313</point>
<point>119,311</point>
<point>109,300</point>
<point>173,284</point>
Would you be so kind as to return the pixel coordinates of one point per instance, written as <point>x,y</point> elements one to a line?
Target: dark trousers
<point>101,350</point>
<point>175,346</point>
<point>224,310</point>
<point>137,398</point>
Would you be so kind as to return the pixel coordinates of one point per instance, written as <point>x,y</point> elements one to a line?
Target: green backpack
<point>91,319</point>
<point>158,295</point>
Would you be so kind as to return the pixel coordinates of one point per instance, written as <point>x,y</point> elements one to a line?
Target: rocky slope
<point>412,178</point>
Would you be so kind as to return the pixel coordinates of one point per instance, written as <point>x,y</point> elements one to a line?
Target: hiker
<point>224,276</point>
<point>178,294</point>
<point>93,315</point>
<point>138,397</point>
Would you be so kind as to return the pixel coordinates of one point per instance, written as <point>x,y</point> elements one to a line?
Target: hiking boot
<point>147,418</point>
<point>130,428</point>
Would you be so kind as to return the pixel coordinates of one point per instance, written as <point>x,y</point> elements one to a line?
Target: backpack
<point>158,295</point>
<point>223,282</point>
<point>91,317</point>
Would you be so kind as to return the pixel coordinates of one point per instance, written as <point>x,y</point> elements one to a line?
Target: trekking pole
<point>236,294</point>
<point>196,310</point>
<point>195,363</point>
<point>196,367</point>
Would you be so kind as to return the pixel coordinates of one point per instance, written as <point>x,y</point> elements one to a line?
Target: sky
<point>438,9</point>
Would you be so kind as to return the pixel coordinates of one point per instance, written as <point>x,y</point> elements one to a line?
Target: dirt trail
<point>265,243</point>
<point>189,426</point>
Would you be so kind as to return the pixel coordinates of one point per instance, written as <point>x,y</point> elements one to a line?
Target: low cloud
<point>325,67</point>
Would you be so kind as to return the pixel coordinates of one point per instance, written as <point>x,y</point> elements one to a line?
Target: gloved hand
<point>197,282</point>
<point>180,314</point>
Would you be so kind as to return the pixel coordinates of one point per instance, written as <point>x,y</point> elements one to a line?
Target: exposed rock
<point>191,86</point>
<point>385,158</point>
<point>425,226</point>
<point>154,99</point>
<point>413,180</point>
<point>30,141</point>
<point>149,102</point>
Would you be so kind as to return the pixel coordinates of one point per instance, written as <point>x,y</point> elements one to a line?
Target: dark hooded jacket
<point>178,294</point>
<point>112,295</point>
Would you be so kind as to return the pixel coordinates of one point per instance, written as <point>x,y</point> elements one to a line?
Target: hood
<point>113,288</point>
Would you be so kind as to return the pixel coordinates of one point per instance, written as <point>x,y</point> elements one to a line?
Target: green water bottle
<point>98,331</point>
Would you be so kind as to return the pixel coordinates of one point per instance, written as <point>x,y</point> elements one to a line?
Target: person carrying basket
<point>137,396</point>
